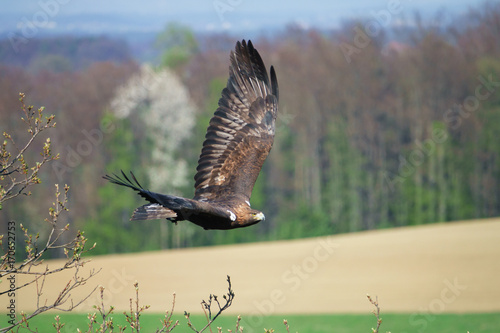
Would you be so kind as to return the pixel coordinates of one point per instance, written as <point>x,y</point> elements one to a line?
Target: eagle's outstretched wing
<point>241,133</point>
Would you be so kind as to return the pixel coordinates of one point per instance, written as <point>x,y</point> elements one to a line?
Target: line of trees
<point>403,132</point>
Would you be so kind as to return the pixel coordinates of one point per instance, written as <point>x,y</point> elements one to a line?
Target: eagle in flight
<point>238,140</point>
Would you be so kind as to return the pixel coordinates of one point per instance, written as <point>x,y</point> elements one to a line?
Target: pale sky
<point>209,15</point>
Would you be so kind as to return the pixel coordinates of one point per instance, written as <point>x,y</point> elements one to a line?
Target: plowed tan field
<point>452,267</point>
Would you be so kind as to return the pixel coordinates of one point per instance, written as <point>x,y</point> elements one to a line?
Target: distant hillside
<point>63,53</point>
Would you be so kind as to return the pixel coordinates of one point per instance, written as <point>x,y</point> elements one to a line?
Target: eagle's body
<point>238,140</point>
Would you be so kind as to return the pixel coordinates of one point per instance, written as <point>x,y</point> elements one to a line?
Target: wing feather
<point>241,132</point>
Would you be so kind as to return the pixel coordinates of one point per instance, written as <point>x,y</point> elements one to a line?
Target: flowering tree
<point>164,105</point>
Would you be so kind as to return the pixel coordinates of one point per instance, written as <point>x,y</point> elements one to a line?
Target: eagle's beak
<point>259,217</point>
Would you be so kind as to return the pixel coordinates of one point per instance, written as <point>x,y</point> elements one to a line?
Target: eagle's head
<point>257,216</point>
<point>247,217</point>
<point>252,217</point>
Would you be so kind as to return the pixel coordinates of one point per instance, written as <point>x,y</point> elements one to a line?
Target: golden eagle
<point>238,140</point>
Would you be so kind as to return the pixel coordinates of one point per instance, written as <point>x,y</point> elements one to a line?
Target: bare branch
<point>13,166</point>
<point>168,325</point>
<point>376,312</point>
<point>133,317</point>
<point>208,307</point>
<point>16,176</point>
<point>285,322</point>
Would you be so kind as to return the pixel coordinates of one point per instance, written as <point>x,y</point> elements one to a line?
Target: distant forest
<point>378,127</point>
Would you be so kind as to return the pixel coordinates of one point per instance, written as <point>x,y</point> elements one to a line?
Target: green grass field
<point>395,323</point>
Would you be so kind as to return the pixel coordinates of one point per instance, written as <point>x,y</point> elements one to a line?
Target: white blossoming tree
<point>168,113</point>
<point>161,100</point>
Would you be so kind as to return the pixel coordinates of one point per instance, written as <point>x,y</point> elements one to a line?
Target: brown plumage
<point>238,140</point>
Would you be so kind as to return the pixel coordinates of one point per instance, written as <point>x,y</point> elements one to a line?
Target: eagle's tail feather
<point>152,211</point>
<point>125,181</point>
<point>161,205</point>
<point>133,184</point>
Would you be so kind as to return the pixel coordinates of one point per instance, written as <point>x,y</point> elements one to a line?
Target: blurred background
<point>389,111</point>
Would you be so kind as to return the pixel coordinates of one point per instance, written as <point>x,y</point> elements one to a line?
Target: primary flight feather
<point>238,140</point>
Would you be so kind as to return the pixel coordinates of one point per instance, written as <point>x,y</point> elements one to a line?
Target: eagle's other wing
<point>241,132</point>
